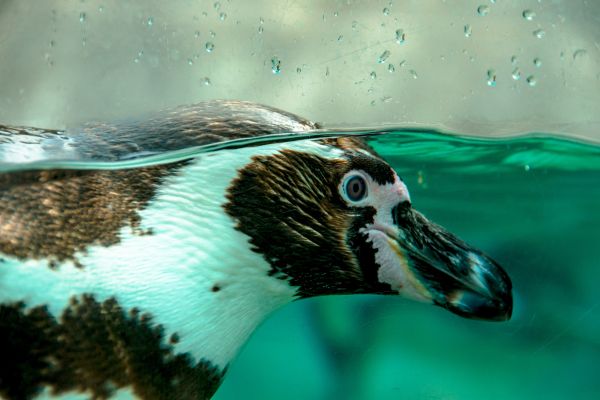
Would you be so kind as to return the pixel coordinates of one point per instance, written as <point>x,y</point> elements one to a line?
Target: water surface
<point>532,202</point>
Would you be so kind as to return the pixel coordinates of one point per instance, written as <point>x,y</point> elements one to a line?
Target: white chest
<point>196,273</point>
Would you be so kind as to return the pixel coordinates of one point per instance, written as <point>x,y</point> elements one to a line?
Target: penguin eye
<point>356,188</point>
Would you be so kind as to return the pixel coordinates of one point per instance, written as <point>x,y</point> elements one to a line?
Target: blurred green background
<point>484,68</point>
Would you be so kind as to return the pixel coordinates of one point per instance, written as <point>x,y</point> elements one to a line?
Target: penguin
<point>145,281</point>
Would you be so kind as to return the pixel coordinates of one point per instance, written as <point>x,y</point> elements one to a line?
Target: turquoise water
<point>533,203</point>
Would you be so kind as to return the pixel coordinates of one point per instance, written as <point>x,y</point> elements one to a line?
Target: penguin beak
<point>449,272</point>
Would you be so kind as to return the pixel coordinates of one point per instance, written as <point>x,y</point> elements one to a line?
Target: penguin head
<point>342,222</point>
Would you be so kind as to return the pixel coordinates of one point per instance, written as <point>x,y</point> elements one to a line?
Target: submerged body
<point>150,279</point>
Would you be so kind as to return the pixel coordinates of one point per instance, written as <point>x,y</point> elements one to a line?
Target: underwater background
<point>515,84</point>
<point>533,204</point>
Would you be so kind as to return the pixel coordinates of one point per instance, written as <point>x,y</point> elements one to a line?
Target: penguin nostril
<point>399,211</point>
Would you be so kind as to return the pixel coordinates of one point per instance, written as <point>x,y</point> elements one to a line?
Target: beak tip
<point>477,306</point>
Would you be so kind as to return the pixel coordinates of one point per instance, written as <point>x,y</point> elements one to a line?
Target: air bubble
<point>276,65</point>
<point>483,10</point>
<point>384,56</point>
<point>468,30</point>
<point>101,8</point>
<point>528,15</point>
<point>491,77</point>
<point>516,74</point>
<point>577,54</point>
<point>400,36</point>
<point>209,46</point>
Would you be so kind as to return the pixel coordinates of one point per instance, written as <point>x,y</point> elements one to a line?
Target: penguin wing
<point>164,131</point>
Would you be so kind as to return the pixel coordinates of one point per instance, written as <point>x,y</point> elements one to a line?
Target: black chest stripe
<point>95,348</point>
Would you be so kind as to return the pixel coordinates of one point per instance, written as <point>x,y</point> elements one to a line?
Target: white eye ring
<point>355,188</point>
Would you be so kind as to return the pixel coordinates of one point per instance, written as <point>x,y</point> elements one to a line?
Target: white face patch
<point>382,233</point>
<point>381,197</point>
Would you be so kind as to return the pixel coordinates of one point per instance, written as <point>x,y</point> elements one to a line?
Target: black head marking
<point>290,207</point>
<point>378,170</point>
<point>365,253</point>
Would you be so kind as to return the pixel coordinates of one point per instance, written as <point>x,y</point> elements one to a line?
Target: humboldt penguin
<point>145,280</point>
